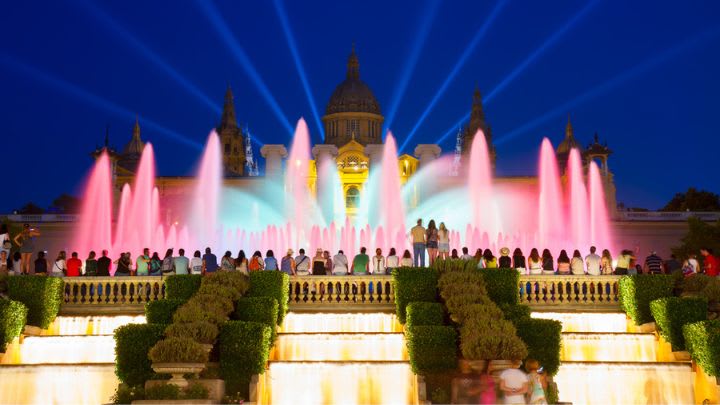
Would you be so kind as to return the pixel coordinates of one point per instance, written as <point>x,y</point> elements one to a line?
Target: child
<point>536,393</point>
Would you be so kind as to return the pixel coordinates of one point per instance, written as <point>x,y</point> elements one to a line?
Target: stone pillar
<point>427,153</point>
<point>374,152</point>
<point>322,152</point>
<point>273,154</point>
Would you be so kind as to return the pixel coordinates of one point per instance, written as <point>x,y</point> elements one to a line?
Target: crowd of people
<point>433,241</point>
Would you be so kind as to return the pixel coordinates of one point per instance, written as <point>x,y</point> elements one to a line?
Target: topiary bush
<point>502,285</point>
<point>672,313</point>
<point>194,311</point>
<point>178,350</point>
<point>275,284</point>
<point>424,314</point>
<point>488,339</point>
<point>161,311</point>
<point>3,283</point>
<point>41,295</point>
<point>132,343</point>
<point>201,331</point>
<point>431,348</point>
<point>413,285</point>
<point>244,348</point>
<point>13,315</point>
<point>162,392</point>
<point>236,280</point>
<point>214,303</point>
<point>702,340</point>
<point>695,283</point>
<point>219,291</point>
<point>543,338</point>
<point>182,286</point>
<point>516,313</point>
<point>125,394</point>
<point>637,291</point>
<point>259,309</point>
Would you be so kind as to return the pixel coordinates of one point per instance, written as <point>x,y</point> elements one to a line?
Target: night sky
<point>644,75</point>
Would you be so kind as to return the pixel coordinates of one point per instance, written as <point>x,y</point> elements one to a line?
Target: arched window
<point>352,197</point>
<point>227,148</point>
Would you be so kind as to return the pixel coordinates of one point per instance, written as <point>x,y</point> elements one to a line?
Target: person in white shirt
<point>514,384</point>
<point>378,262</point>
<point>577,266</point>
<point>465,256</point>
<point>392,261</point>
<point>407,260</point>
<point>340,264</point>
<point>196,263</point>
<point>302,263</point>
<point>592,262</point>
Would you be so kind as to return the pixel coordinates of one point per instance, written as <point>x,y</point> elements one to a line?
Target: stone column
<point>374,152</point>
<point>273,154</point>
<point>427,153</point>
<point>322,152</point>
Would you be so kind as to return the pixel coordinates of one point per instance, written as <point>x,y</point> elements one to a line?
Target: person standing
<point>302,263</point>
<point>210,264</point>
<point>418,239</point>
<point>653,264</point>
<point>606,264</point>
<point>431,238</point>
<point>91,265</point>
<point>181,263</point>
<point>5,243</point>
<point>196,263</point>
<point>623,262</point>
<point>710,262</point>
<point>4,268</point>
<point>443,241</point>
<point>691,265</point>
<point>123,265</point>
<point>378,262</point>
<point>287,263</point>
<point>537,382</point>
<point>514,384</point>
<point>361,263</point>
<point>270,261</point>
<point>142,263</point>
<point>672,265</point>
<point>592,262</point>
<point>392,261</point>
<point>26,241</point>
<point>73,265</point>
<point>103,264</point>
<point>340,264</point>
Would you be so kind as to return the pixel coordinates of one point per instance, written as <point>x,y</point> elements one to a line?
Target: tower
<point>477,121</point>
<point>568,143</point>
<point>231,139</point>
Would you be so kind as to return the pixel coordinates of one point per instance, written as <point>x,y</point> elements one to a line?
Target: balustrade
<point>100,293</point>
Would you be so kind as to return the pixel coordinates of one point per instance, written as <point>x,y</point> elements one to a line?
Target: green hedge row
<point>424,314</point>
<point>41,295</point>
<point>182,286</point>
<point>161,311</point>
<point>275,284</point>
<point>502,285</point>
<point>637,291</point>
<point>259,309</point>
<point>543,338</point>
<point>672,313</point>
<point>432,348</point>
<point>13,315</point>
<point>413,285</point>
<point>244,348</point>
<point>132,344</point>
<point>702,340</point>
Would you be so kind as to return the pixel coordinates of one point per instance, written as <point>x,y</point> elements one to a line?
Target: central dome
<point>352,95</point>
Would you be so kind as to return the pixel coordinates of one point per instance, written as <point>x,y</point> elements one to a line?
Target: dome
<point>352,95</point>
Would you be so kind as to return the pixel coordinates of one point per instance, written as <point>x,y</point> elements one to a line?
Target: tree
<point>700,234</point>
<point>694,200</point>
<point>66,204</point>
<point>30,209</point>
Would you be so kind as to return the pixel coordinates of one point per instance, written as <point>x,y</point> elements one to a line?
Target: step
<point>339,347</point>
<point>607,322</point>
<point>90,325</point>
<point>610,347</point>
<point>340,322</point>
<point>61,350</point>
<point>72,384</point>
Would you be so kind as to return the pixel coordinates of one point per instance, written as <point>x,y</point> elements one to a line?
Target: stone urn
<point>177,370</point>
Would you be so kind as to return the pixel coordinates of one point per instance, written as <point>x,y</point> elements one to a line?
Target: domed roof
<point>569,142</point>
<point>352,95</point>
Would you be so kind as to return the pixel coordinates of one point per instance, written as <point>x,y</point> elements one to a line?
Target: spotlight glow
<point>459,64</point>
<point>282,15</point>
<point>90,98</point>
<point>218,23</point>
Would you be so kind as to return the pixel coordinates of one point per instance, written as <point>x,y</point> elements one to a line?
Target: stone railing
<point>129,294</point>
<point>662,216</point>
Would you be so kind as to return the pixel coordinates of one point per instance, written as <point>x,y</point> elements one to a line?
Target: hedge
<point>672,313</point>
<point>502,285</point>
<point>431,348</point>
<point>702,340</point>
<point>132,344</point>
<point>13,315</point>
<point>542,338</point>
<point>637,291</point>
<point>244,348</point>
<point>182,286</point>
<point>259,309</point>
<point>41,295</point>
<point>161,311</point>
<point>413,285</point>
<point>515,313</point>
<point>424,314</point>
<point>275,284</point>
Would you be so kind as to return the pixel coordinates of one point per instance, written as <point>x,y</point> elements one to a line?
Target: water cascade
<point>635,347</point>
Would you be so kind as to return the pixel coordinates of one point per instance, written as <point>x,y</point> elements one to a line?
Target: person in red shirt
<point>73,266</point>
<point>711,264</point>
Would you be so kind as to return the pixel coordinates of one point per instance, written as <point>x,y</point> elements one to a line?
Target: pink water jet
<point>94,230</point>
<point>600,234</point>
<point>205,205</point>
<point>551,217</point>
<point>578,202</point>
<point>390,202</point>
<point>296,188</point>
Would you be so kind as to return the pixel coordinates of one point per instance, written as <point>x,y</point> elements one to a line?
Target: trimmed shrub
<point>162,392</point>
<point>3,283</point>
<point>244,348</point>
<point>125,394</point>
<point>424,314</point>
<point>201,331</point>
<point>543,338</point>
<point>41,295</point>
<point>214,303</point>
<point>219,291</point>
<point>672,313</point>
<point>235,280</point>
<point>490,339</point>
<point>13,315</point>
<point>196,391</point>
<point>178,350</point>
<point>637,291</point>
<point>132,343</point>
<point>431,348</point>
<point>194,312</point>
<point>515,313</point>
<point>502,285</point>
<point>259,309</point>
<point>695,283</point>
<point>413,285</point>
<point>702,340</point>
<point>182,286</point>
<point>161,311</point>
<point>275,284</point>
